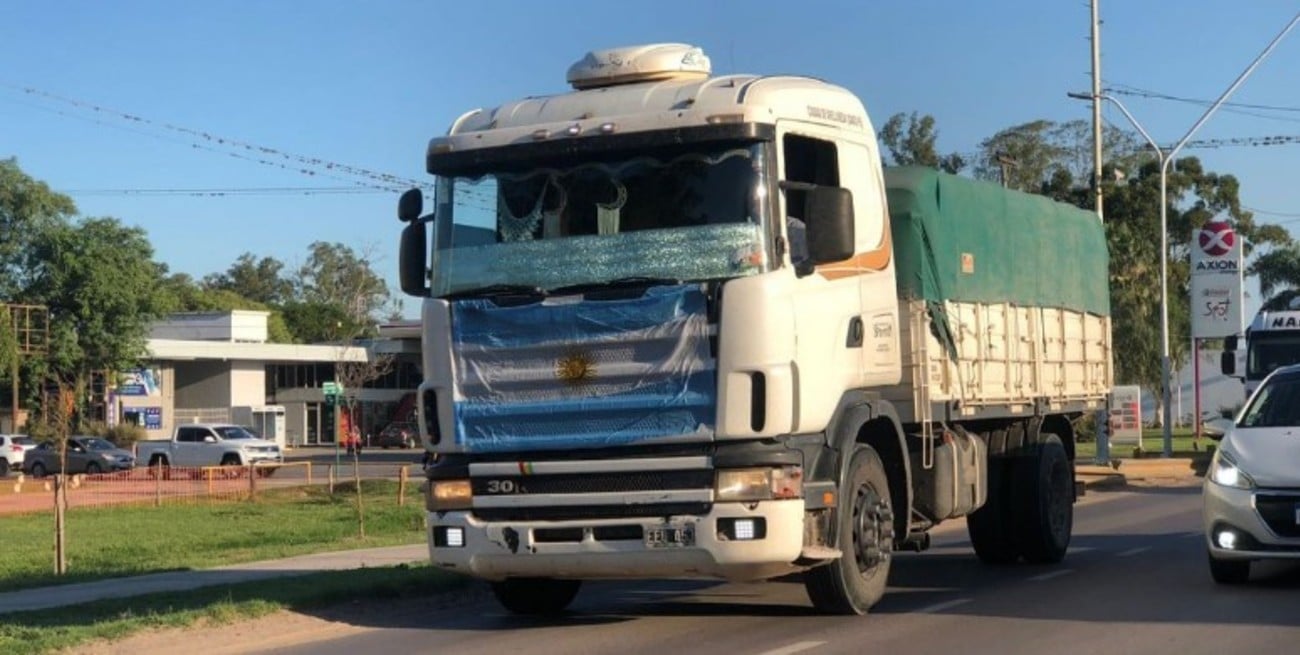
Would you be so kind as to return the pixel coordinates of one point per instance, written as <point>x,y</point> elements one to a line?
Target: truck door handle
<point>855,333</point>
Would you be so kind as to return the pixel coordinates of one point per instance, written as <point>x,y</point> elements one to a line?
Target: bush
<point>123,435</point>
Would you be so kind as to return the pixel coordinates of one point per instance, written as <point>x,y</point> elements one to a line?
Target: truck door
<point>845,312</point>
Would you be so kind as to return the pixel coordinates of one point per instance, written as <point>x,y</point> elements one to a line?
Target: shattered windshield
<point>684,214</point>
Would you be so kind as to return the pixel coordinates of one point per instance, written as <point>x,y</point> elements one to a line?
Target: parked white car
<point>13,447</point>
<point>1252,490</point>
<point>209,444</point>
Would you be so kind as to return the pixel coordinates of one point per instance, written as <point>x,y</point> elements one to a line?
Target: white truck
<point>1272,341</point>
<point>684,325</point>
<point>210,444</point>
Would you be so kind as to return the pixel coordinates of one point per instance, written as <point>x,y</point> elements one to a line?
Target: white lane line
<point>1049,576</point>
<point>939,607</point>
<point>797,647</point>
<point>1134,551</point>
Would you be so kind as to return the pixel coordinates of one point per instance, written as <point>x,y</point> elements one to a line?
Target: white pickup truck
<point>209,444</point>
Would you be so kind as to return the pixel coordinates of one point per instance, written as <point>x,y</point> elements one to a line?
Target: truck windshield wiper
<point>497,290</point>
<point>617,283</point>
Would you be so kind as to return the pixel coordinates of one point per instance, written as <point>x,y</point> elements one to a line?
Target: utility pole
<point>1096,111</point>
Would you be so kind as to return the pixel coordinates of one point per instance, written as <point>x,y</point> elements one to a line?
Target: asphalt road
<point>1135,582</point>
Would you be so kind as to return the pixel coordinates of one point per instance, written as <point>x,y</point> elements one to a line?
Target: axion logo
<point>1216,238</point>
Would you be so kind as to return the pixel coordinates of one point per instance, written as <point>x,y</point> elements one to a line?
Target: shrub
<point>124,435</point>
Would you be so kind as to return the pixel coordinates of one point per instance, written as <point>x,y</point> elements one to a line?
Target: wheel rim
<point>873,528</point>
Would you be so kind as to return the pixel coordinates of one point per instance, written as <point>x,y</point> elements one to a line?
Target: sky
<point>110,102</point>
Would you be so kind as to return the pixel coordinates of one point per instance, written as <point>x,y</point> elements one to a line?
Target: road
<point>1134,582</point>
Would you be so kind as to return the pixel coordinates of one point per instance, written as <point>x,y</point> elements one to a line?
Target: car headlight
<point>107,457</point>
<point>1224,471</point>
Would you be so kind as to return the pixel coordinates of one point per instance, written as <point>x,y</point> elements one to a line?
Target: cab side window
<point>808,161</point>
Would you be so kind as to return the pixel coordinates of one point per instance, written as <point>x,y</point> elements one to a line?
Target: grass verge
<point>50,630</point>
<point>105,542</point>
<point>1152,446</point>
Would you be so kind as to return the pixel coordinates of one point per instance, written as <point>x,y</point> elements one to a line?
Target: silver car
<point>1252,490</point>
<point>85,455</point>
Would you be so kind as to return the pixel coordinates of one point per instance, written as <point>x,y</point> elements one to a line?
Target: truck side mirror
<point>1228,363</point>
<point>209,439</point>
<point>410,205</point>
<point>412,257</point>
<point>828,212</point>
<point>1230,343</point>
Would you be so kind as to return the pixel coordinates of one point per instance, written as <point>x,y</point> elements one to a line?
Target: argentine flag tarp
<point>574,373</point>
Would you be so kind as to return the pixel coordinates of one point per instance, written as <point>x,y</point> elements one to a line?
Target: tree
<point>1279,276</point>
<point>315,322</point>
<point>258,280</point>
<point>911,141</point>
<point>181,293</point>
<point>27,206</point>
<point>101,285</point>
<point>1040,156</point>
<point>336,275</point>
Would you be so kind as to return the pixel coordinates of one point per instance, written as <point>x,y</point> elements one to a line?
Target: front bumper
<point>264,458</point>
<point>502,549</point>
<point>1229,508</point>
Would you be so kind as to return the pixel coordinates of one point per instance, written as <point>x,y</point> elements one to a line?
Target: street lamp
<point>1166,160</point>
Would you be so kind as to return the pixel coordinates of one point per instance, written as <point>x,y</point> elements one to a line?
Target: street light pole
<point>1166,160</point>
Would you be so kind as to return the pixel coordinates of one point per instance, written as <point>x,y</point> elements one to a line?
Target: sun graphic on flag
<point>575,368</point>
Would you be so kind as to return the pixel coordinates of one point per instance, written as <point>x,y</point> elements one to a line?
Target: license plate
<point>673,536</point>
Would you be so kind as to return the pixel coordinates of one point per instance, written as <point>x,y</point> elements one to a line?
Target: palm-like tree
<point>1279,276</point>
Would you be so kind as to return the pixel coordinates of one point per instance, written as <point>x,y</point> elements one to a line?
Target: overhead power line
<point>1233,107</point>
<point>209,141</point>
<point>244,191</point>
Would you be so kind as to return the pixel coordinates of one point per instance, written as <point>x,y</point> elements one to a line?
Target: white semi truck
<point>1272,341</point>
<point>677,324</point>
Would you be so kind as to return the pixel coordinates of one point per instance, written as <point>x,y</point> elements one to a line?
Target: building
<point>201,366</point>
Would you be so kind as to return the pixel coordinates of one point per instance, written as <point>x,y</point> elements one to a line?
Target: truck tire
<point>38,470</point>
<point>1044,495</point>
<point>536,596</point>
<point>991,527</point>
<point>864,528</point>
<point>1229,571</point>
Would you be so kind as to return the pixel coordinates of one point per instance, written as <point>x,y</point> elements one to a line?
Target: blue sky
<point>367,84</point>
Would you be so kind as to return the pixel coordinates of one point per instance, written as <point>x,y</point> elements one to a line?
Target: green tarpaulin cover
<point>965,240</point>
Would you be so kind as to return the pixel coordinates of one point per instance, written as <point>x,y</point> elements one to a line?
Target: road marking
<point>796,647</point>
<point>1133,551</point>
<point>1049,576</point>
<point>939,607</point>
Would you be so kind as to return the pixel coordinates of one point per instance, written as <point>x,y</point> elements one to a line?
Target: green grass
<point>61,628</point>
<point>1152,444</point>
<point>104,542</point>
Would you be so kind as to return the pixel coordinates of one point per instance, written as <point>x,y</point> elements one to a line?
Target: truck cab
<point>1271,342</point>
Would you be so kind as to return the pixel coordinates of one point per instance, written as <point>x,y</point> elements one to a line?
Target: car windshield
<point>694,212</point>
<point>97,444</point>
<point>232,432</point>
<point>1276,404</point>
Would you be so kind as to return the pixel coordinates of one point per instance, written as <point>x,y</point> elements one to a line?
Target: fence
<point>159,486</point>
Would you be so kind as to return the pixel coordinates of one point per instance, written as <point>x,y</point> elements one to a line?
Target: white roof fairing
<point>657,105</point>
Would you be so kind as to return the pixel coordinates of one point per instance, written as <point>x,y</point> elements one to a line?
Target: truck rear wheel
<point>864,529</point>
<point>1044,493</point>
<point>536,596</point>
<point>159,468</point>
<point>991,527</point>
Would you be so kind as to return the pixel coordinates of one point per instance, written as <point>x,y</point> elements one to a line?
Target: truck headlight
<point>1224,471</point>
<point>767,483</point>
<point>446,495</point>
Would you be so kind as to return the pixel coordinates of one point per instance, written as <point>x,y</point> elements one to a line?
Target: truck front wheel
<point>536,596</point>
<point>864,528</point>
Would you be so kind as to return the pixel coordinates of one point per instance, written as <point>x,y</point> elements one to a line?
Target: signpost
<point>1216,303</point>
<point>333,392</point>
<point>1125,420</point>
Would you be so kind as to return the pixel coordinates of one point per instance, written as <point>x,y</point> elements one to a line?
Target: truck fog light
<point>745,530</point>
<point>1227,539</point>
<point>742,529</point>
<point>448,537</point>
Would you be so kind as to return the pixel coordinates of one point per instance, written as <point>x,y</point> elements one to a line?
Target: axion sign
<point>1216,238</point>
<point>1216,297</point>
